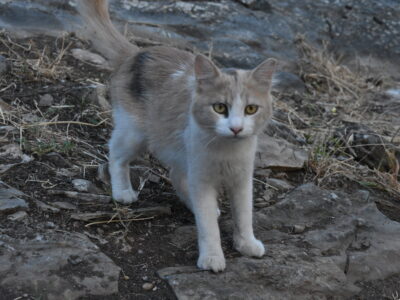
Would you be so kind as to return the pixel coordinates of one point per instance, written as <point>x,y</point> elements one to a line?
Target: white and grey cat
<point>200,121</point>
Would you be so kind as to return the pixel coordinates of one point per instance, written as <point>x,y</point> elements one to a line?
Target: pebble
<point>299,228</point>
<point>46,100</point>
<point>83,185</point>
<point>75,260</point>
<point>261,204</point>
<point>18,216</point>
<point>64,205</point>
<point>148,286</point>
<point>50,225</point>
<point>4,65</point>
<point>279,184</point>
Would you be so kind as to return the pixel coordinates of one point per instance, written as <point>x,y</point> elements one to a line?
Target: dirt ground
<point>68,139</point>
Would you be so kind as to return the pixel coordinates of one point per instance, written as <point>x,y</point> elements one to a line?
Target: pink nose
<point>236,130</point>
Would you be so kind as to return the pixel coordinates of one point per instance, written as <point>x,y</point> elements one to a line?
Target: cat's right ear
<point>204,68</point>
<point>264,72</point>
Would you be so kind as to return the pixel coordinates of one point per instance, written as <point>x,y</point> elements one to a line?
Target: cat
<point>199,120</point>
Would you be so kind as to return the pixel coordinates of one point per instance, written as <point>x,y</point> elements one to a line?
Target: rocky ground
<point>327,191</point>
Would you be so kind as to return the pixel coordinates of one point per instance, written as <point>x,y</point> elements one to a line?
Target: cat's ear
<point>264,72</point>
<point>205,68</point>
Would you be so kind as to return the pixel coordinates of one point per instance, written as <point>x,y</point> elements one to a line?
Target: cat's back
<point>155,87</point>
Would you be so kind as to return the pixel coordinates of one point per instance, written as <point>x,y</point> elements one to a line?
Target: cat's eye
<point>220,108</point>
<point>251,109</point>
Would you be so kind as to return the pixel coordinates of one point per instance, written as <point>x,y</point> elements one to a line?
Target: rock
<point>64,205</point>
<point>58,160</point>
<point>10,205</point>
<point>46,100</point>
<point>45,207</point>
<point>286,82</point>
<point>5,107</point>
<point>18,216</point>
<point>242,33</point>
<point>148,286</point>
<point>299,228</point>
<point>91,58</point>
<point>279,130</point>
<point>368,147</point>
<point>10,200</point>
<point>66,172</point>
<point>261,204</point>
<point>50,225</point>
<point>99,97</point>
<point>12,152</point>
<point>57,266</point>
<point>5,66</point>
<point>279,154</point>
<point>83,185</point>
<point>279,184</point>
<point>347,240</point>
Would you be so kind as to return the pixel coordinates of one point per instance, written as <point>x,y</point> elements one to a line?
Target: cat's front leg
<point>240,191</point>
<point>204,203</point>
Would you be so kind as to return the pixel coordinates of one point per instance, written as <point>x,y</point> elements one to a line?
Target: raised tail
<point>101,32</point>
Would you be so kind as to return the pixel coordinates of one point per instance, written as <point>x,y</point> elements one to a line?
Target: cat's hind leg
<point>127,141</point>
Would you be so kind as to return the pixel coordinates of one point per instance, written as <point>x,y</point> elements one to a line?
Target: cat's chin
<point>235,137</point>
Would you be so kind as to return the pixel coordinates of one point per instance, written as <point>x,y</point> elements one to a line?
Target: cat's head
<point>232,103</point>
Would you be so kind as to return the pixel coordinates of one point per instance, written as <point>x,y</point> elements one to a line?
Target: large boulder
<point>320,243</point>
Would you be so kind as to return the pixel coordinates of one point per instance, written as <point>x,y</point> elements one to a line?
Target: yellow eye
<point>251,109</point>
<point>220,108</point>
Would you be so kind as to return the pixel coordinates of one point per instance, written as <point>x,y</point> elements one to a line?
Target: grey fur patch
<point>137,85</point>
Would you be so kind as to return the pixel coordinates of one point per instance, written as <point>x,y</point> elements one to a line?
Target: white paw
<point>125,196</point>
<point>215,263</point>
<point>250,247</point>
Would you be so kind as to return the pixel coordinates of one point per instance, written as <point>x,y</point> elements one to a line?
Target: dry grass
<point>330,159</point>
<point>325,74</point>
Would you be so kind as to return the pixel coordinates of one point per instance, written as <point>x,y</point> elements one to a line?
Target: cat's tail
<point>101,32</point>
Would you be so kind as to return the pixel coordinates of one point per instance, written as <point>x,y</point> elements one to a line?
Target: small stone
<point>102,174</point>
<point>4,65</point>
<point>18,216</point>
<point>140,251</point>
<point>148,286</point>
<point>83,185</point>
<point>46,100</point>
<point>75,260</point>
<point>99,97</point>
<point>50,225</point>
<point>65,173</point>
<point>268,195</point>
<point>288,82</point>
<point>263,172</point>
<point>45,207</point>
<point>64,205</point>
<point>299,228</point>
<point>279,184</point>
<point>12,205</point>
<point>261,204</point>
<point>154,178</point>
<point>90,57</point>
<point>259,200</point>
<point>333,196</point>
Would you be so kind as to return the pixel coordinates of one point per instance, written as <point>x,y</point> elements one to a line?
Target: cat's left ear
<point>264,72</point>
